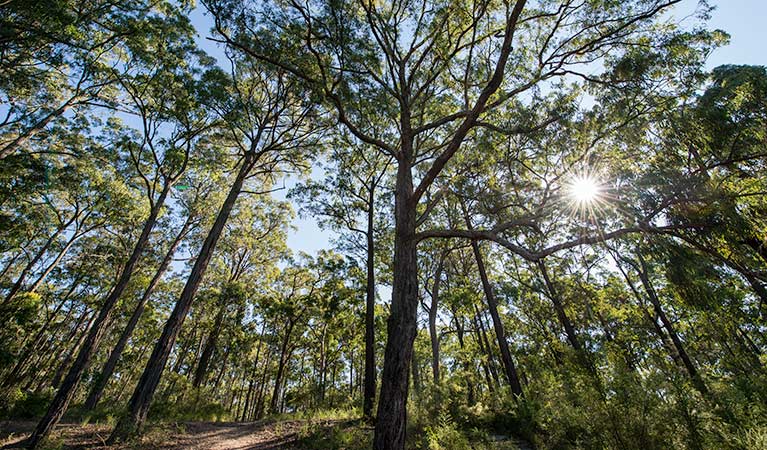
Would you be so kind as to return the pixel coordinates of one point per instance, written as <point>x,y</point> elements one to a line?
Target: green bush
<point>18,404</point>
<point>189,410</point>
<point>444,435</point>
<point>347,436</point>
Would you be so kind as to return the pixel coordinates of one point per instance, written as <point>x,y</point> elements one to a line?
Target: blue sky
<point>744,20</point>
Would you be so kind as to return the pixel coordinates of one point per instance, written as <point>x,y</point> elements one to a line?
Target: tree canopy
<point>549,221</point>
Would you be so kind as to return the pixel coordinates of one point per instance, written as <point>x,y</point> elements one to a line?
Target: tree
<point>348,198</point>
<point>160,95</point>
<point>271,134</point>
<point>383,72</point>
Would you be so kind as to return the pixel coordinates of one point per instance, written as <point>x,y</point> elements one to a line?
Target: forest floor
<point>261,435</point>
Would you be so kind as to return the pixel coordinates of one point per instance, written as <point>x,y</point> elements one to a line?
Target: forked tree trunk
<point>150,378</point>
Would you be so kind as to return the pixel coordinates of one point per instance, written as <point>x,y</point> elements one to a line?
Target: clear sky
<point>744,20</point>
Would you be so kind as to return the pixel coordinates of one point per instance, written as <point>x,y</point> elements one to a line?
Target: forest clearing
<point>383,224</point>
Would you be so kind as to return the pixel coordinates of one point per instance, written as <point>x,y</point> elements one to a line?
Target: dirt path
<point>262,435</point>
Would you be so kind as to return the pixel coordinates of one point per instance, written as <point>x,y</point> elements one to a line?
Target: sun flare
<point>584,190</point>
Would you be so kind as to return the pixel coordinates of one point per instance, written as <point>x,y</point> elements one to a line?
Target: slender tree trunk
<point>572,336</point>
<point>56,382</point>
<point>669,326</point>
<point>9,264</point>
<point>500,333</point>
<point>147,385</point>
<point>416,377</point>
<point>652,319</point>
<point>351,373</point>
<point>32,346</point>
<point>90,346</point>
<point>106,373</point>
<point>259,409</point>
<point>276,405</point>
<point>49,349</point>
<point>483,361</point>
<point>459,328</point>
<point>369,392</point>
<point>210,346</point>
<point>488,349</point>
<point>323,365</point>
<point>19,283</point>
<point>11,147</point>
<point>433,321</point>
<point>402,325</point>
<point>222,370</point>
<point>56,261</point>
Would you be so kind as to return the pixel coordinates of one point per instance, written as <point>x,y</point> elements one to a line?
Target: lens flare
<point>584,190</point>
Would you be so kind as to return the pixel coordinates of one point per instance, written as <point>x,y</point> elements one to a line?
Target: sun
<point>584,190</point>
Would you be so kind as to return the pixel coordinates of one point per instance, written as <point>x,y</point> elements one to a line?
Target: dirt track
<point>262,435</point>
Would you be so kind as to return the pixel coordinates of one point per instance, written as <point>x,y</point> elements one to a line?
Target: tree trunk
<point>33,346</point>
<point>65,363</point>
<point>459,328</point>
<point>9,264</point>
<point>30,132</point>
<point>572,337</point>
<point>416,377</point>
<point>433,320</point>
<point>19,283</point>
<point>369,393</point>
<point>678,345</point>
<point>500,333</point>
<point>276,406</point>
<point>106,373</point>
<point>210,346</point>
<point>482,361</point>
<point>484,341</point>
<point>55,262</point>
<point>90,346</point>
<point>150,378</point>
<point>402,324</point>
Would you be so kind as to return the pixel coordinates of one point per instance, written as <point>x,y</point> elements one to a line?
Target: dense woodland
<point>550,221</point>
